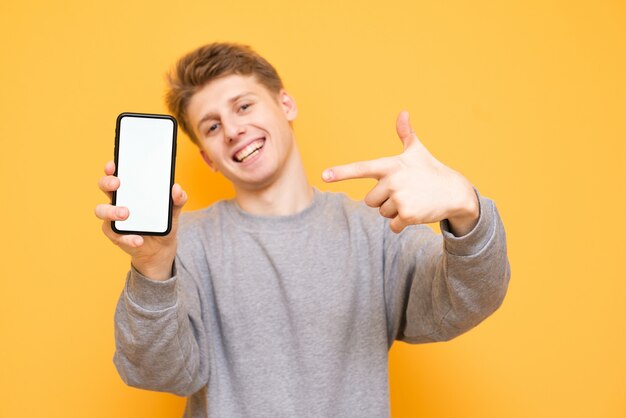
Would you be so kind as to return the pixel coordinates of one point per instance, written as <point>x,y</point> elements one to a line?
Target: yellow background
<point>527,99</point>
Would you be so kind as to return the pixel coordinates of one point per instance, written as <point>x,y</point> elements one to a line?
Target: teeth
<point>250,150</point>
<point>256,151</point>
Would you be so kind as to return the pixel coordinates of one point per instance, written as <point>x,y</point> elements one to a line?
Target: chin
<point>251,183</point>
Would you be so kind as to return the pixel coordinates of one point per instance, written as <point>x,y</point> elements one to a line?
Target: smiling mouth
<point>249,151</point>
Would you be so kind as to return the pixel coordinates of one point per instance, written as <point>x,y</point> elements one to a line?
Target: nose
<point>233,129</point>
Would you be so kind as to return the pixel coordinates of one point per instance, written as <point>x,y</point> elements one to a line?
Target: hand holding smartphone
<point>145,155</point>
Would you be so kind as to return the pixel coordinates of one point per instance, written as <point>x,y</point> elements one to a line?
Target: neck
<point>289,194</point>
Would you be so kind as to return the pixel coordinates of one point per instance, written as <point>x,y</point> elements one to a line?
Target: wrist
<point>467,217</point>
<point>155,270</point>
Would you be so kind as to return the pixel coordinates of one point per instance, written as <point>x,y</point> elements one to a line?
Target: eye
<point>245,106</point>
<point>213,128</point>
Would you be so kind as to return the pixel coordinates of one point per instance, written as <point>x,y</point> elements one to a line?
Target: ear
<point>208,161</point>
<point>288,105</point>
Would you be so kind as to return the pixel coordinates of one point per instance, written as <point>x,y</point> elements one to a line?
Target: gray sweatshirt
<point>293,316</point>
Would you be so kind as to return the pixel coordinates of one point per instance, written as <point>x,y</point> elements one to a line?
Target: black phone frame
<point>172,172</point>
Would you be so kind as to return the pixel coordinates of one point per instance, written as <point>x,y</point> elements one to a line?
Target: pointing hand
<point>414,187</point>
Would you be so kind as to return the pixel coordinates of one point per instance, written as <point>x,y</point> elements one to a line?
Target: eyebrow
<point>212,115</point>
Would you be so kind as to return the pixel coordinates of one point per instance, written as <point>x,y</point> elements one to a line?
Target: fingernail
<point>327,175</point>
<point>137,241</point>
<point>120,212</point>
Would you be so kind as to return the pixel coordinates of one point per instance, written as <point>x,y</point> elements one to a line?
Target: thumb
<point>405,131</point>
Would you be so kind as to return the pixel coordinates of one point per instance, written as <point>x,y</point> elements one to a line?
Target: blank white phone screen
<point>144,169</point>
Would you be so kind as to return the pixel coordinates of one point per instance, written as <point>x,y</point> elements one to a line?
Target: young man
<point>284,301</point>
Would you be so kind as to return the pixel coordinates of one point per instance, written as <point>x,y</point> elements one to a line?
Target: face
<point>244,130</point>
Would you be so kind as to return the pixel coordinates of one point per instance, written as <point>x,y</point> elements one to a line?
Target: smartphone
<point>145,156</point>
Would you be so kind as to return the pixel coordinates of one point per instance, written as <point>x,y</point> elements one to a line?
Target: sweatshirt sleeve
<point>160,341</point>
<point>440,286</point>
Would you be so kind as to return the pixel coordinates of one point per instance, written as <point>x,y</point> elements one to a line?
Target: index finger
<point>373,169</point>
